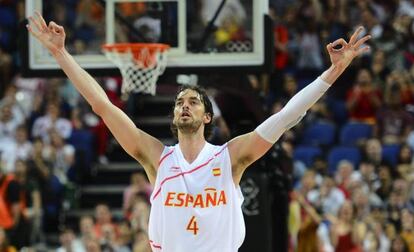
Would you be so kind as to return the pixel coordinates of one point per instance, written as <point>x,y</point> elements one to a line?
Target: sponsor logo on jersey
<point>175,169</point>
<point>216,171</point>
<point>211,197</point>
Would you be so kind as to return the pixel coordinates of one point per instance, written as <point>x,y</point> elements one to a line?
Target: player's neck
<point>191,145</point>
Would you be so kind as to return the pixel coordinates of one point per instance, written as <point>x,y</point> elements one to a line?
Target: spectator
<point>400,81</point>
<point>31,89</point>
<point>397,201</point>
<point>30,228</point>
<point>110,240</point>
<point>89,18</point>
<point>51,120</point>
<point>8,125</point>
<point>370,21</point>
<point>373,151</point>
<point>281,57</point>
<point>344,232</point>
<point>103,217</point>
<point>63,155</point>
<point>10,98</point>
<point>343,177</point>
<point>378,68</point>
<point>6,62</point>
<point>10,208</point>
<point>40,170</point>
<point>290,87</point>
<point>385,178</point>
<point>405,163</point>
<point>310,61</point>
<point>363,200</point>
<point>125,235</point>
<point>139,184</point>
<point>328,198</point>
<point>366,174</point>
<point>407,224</point>
<point>363,99</point>
<point>375,239</point>
<point>393,122</point>
<point>398,244</point>
<point>140,215</point>
<point>20,148</point>
<point>86,226</point>
<point>93,245</point>
<point>390,43</point>
<point>307,239</point>
<point>307,183</point>
<point>320,166</point>
<point>68,243</point>
<point>221,131</point>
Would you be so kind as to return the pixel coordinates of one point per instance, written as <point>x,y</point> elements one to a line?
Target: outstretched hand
<point>51,36</point>
<point>343,56</point>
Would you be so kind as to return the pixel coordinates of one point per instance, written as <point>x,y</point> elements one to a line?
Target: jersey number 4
<point>192,225</point>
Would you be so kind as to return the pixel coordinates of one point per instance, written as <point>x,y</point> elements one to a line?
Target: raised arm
<point>246,149</point>
<point>141,146</point>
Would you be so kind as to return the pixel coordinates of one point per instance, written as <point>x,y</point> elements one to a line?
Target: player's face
<point>189,112</point>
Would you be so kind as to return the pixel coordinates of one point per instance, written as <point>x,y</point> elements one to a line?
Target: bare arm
<point>246,149</point>
<point>141,146</point>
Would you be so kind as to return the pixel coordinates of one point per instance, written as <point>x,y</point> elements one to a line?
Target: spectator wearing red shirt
<point>363,99</point>
<point>103,218</point>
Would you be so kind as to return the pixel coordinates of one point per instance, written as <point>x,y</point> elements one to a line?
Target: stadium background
<point>347,166</point>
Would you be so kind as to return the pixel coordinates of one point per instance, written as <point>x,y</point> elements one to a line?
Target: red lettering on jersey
<point>199,201</point>
<point>170,196</point>
<point>222,198</point>
<point>211,198</point>
<point>180,200</point>
<point>189,200</point>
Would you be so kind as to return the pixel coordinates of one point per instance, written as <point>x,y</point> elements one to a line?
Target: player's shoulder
<point>167,151</point>
<point>217,149</point>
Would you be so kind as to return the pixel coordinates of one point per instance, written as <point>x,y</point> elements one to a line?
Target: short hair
<point>208,108</point>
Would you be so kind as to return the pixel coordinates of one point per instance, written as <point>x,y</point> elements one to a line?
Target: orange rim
<point>123,47</point>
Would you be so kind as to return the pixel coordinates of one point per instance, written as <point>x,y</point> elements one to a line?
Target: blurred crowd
<point>363,201</point>
<point>49,139</point>
<point>104,232</point>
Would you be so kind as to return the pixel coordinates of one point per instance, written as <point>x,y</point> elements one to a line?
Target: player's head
<point>192,109</point>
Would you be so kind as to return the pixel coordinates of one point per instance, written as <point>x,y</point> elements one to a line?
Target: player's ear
<point>207,118</point>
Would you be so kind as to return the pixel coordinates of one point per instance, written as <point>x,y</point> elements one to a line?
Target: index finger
<point>41,20</point>
<point>340,42</point>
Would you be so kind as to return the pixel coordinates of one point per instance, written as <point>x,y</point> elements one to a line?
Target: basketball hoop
<point>140,64</point>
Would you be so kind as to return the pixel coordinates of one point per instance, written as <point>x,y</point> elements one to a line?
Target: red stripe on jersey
<point>218,153</point>
<point>155,245</point>
<point>164,157</point>
<point>187,172</point>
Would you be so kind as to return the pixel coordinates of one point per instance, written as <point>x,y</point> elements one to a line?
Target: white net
<point>140,71</point>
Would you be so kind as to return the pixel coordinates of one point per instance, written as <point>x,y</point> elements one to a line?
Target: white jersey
<point>197,206</point>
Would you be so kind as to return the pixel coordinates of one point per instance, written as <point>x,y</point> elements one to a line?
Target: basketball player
<point>196,202</point>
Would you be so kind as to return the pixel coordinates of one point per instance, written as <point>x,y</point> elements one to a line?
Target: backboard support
<point>240,39</point>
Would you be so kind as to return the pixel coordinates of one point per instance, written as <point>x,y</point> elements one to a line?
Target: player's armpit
<point>244,150</point>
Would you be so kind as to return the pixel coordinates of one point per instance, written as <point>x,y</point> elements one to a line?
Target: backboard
<point>203,34</point>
